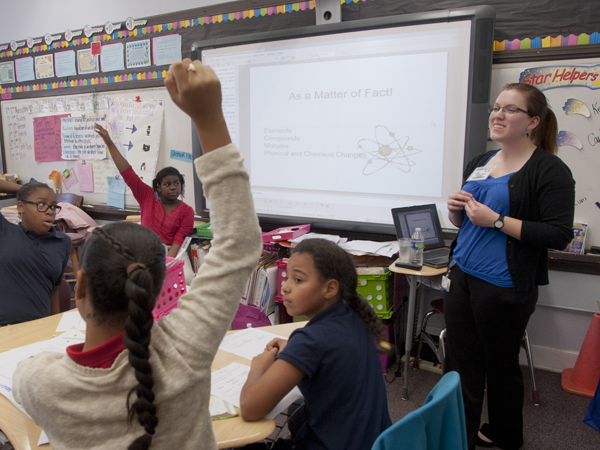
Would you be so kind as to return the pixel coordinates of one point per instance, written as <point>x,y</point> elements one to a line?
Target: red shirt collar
<point>101,357</point>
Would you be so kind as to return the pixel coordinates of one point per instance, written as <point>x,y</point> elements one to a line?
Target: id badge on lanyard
<point>481,173</point>
<point>446,277</point>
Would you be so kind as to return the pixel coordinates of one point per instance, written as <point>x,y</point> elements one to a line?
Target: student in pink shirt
<point>161,209</point>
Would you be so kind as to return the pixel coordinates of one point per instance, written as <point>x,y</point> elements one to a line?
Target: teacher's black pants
<point>484,329</point>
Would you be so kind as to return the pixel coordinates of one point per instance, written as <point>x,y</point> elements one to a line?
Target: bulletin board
<point>573,89</point>
<point>20,145</point>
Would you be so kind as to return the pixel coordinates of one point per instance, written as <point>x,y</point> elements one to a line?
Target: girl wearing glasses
<point>33,256</point>
<point>515,203</point>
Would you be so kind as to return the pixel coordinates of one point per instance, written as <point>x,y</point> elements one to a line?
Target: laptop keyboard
<point>437,253</point>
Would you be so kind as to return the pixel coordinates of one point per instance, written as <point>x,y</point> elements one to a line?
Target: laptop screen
<point>422,216</point>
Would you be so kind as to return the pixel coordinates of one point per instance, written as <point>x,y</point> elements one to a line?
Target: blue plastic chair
<point>438,425</point>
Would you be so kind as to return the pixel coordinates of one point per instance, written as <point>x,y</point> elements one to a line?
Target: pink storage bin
<point>281,274</point>
<point>173,288</point>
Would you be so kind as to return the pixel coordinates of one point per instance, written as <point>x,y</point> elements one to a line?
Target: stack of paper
<point>328,237</point>
<point>262,284</point>
<point>371,247</point>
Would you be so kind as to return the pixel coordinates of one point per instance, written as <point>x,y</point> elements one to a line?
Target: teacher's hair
<point>124,282</point>
<point>545,135</point>
<point>334,263</point>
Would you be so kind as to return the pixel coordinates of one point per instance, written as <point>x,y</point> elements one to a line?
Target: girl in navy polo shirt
<point>334,359</point>
<point>33,256</point>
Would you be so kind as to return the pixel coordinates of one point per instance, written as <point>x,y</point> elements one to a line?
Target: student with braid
<point>135,383</point>
<point>333,359</point>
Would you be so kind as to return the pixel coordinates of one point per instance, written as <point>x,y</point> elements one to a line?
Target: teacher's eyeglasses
<point>507,109</point>
<point>43,207</point>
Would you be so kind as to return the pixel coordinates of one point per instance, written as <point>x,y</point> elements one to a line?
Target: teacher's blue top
<point>481,251</point>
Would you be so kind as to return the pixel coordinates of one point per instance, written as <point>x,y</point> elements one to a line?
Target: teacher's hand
<point>458,200</point>
<point>481,214</point>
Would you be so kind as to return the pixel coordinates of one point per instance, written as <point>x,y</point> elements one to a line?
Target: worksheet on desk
<point>248,343</point>
<point>227,384</point>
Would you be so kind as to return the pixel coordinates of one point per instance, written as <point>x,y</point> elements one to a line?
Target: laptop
<point>425,217</point>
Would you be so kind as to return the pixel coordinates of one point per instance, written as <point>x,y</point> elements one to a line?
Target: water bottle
<point>417,244</point>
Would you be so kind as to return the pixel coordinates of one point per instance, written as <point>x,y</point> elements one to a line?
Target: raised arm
<point>115,154</point>
<point>204,313</point>
<point>9,188</point>
<point>206,114</point>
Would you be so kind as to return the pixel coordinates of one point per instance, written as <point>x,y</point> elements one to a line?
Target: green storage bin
<point>204,230</point>
<point>378,290</point>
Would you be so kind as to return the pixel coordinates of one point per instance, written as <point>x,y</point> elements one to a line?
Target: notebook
<point>425,217</point>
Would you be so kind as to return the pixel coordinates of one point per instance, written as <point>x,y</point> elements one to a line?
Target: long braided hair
<point>333,263</point>
<point>124,281</point>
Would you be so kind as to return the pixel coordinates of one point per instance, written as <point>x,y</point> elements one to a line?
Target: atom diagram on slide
<point>387,149</point>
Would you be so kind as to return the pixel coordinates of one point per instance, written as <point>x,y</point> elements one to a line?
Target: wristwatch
<point>499,223</point>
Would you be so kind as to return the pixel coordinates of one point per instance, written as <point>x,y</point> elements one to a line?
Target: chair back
<point>64,296</point>
<point>438,425</point>
<point>73,199</point>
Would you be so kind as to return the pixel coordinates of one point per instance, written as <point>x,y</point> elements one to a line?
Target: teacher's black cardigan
<point>542,195</point>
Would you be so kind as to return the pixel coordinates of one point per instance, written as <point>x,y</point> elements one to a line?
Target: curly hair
<point>165,172</point>
<point>333,263</point>
<point>124,282</point>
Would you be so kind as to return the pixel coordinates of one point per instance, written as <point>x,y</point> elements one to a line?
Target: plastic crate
<point>378,290</point>
<point>204,230</point>
<point>281,274</point>
<point>283,316</point>
<point>173,288</point>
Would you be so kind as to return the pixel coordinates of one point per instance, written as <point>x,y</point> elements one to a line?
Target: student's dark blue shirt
<point>30,267</point>
<point>344,391</point>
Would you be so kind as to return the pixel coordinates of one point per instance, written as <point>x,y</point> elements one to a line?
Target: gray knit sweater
<point>85,408</point>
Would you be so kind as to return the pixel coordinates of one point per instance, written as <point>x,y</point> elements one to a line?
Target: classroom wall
<point>57,16</point>
<point>556,331</point>
<point>176,134</point>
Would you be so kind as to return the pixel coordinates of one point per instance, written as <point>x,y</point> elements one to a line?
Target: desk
<point>415,275</point>
<point>24,433</point>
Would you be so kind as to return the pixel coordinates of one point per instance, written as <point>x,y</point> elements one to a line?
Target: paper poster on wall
<point>86,62</point>
<point>166,49</point>
<point>25,70</point>
<point>102,170</point>
<point>69,177</point>
<point>135,128</point>
<point>112,58</point>
<point>79,140</point>
<point>86,176</point>
<point>138,54</point>
<point>7,72</point>
<point>116,192</point>
<point>17,133</point>
<point>65,64</point>
<point>44,66</point>
<point>47,138</point>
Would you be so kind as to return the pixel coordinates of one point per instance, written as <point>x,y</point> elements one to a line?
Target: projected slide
<point>373,125</point>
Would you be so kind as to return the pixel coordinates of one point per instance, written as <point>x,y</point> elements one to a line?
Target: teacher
<point>515,203</point>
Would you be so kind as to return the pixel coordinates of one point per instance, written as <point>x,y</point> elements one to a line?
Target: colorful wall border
<point>6,92</point>
<point>549,41</point>
<point>206,20</point>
